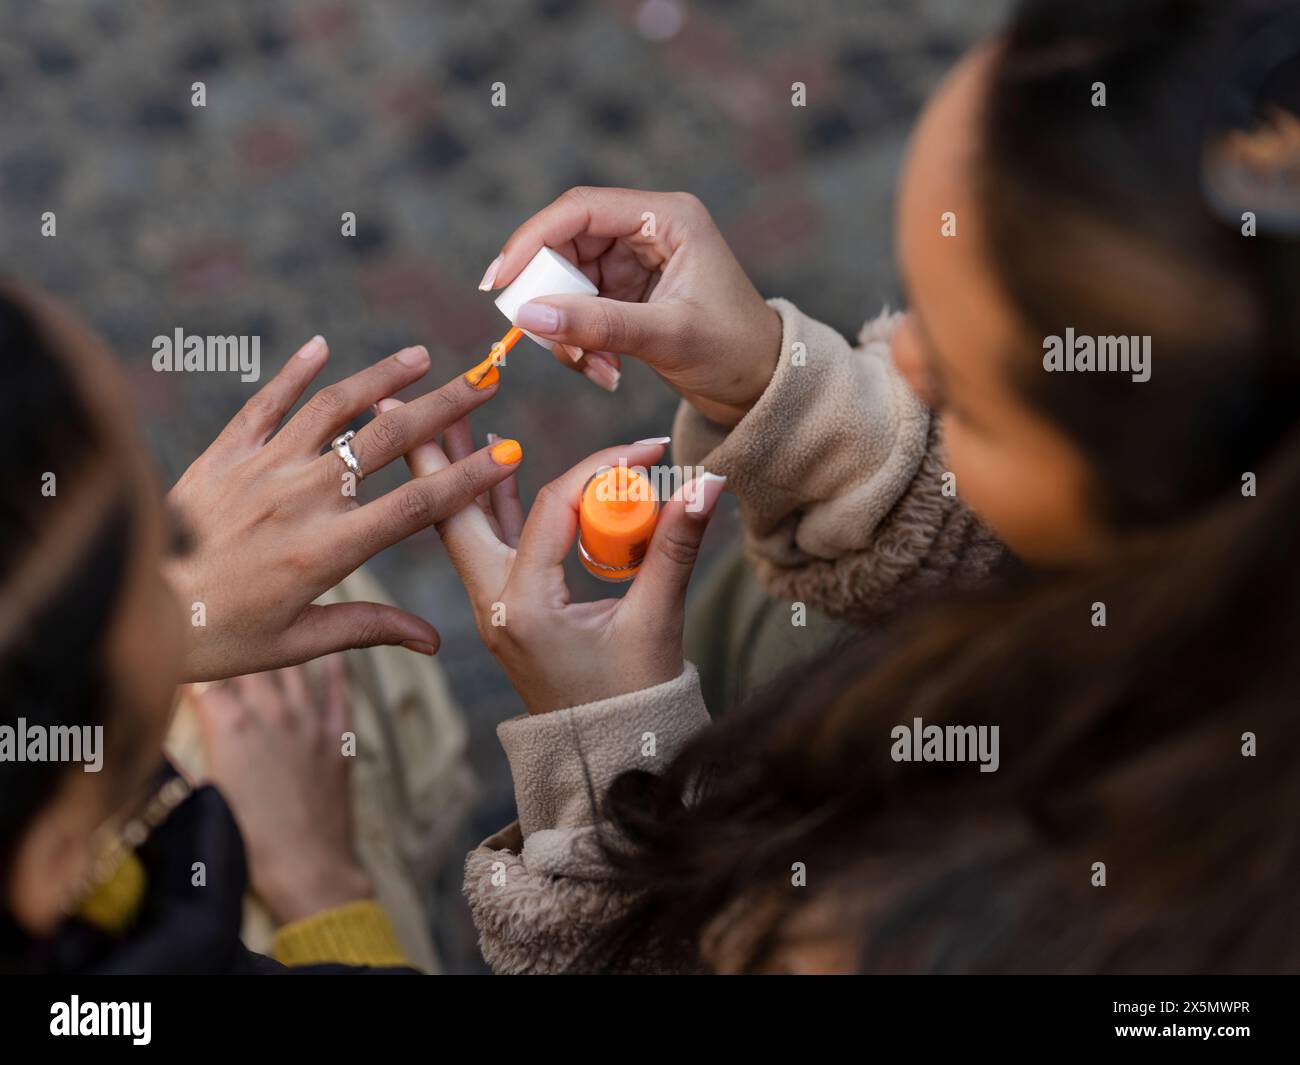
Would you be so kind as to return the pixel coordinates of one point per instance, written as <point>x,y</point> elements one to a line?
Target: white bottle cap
<point>548,274</point>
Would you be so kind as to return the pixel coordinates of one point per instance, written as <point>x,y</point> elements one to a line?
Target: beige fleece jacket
<point>838,473</point>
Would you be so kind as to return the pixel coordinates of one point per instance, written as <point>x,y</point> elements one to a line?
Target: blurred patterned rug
<point>225,219</point>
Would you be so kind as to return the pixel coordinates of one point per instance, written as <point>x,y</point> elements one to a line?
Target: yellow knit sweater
<point>356,933</point>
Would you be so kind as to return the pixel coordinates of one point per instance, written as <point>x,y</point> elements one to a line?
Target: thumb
<point>649,331</point>
<point>321,630</point>
<point>661,583</point>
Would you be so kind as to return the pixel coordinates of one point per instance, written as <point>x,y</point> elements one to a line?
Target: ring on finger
<point>342,447</point>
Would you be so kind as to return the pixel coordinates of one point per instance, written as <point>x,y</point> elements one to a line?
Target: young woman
<point>1113,170</point>
<point>100,870</point>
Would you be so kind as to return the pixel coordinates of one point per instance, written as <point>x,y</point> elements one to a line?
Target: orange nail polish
<point>507,452</point>
<point>486,374</point>
<point>616,519</point>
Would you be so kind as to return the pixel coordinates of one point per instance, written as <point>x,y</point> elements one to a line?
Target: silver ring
<point>344,451</point>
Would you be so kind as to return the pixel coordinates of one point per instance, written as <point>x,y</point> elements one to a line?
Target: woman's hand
<point>276,754</point>
<point>276,522</point>
<point>671,294</point>
<point>558,653</point>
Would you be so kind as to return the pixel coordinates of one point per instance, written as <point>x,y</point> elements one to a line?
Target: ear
<point>54,853</point>
<point>1258,169</point>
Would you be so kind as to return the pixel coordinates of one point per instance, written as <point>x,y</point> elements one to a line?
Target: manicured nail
<point>314,348</point>
<point>655,440</point>
<point>506,452</point>
<point>703,495</point>
<point>538,317</point>
<point>419,647</point>
<point>416,356</point>
<point>485,374</point>
<point>572,350</point>
<point>492,438</point>
<point>490,275</point>
<point>600,371</point>
<point>385,405</point>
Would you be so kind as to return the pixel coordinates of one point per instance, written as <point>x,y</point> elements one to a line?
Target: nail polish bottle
<point>547,274</point>
<point>616,518</point>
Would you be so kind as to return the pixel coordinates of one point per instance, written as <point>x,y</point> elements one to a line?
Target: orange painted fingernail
<point>485,374</point>
<point>507,452</point>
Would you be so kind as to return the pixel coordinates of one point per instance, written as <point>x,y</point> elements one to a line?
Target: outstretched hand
<point>276,522</point>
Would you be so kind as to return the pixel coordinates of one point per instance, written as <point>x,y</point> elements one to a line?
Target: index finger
<point>467,535</point>
<point>421,502</point>
<point>579,212</point>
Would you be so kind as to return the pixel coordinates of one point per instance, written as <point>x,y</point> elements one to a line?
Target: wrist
<point>767,347</point>
<point>313,887</point>
<point>760,357</point>
<point>612,684</point>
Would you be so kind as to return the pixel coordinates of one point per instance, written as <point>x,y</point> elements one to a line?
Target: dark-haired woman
<point>109,861</point>
<point>1113,171</point>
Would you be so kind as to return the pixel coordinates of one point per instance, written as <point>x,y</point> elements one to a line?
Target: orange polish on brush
<point>486,374</point>
<point>616,518</point>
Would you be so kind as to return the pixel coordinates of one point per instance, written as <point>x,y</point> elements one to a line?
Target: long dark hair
<point>66,524</point>
<point>1165,744</point>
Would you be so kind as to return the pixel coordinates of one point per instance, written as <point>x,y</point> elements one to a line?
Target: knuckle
<point>369,632</point>
<point>690,204</point>
<point>449,406</point>
<point>327,402</point>
<point>389,434</point>
<point>259,407</point>
<point>548,495</point>
<point>468,482</point>
<point>579,194</point>
<point>299,560</point>
<point>416,505</point>
<point>677,547</point>
<point>608,328</point>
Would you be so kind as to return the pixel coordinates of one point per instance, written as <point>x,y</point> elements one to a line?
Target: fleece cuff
<point>562,760</point>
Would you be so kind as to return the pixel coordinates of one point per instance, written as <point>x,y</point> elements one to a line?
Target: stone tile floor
<point>226,218</point>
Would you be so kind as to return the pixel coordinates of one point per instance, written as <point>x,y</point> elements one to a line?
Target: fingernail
<point>655,440</point>
<point>419,647</point>
<point>704,494</point>
<point>601,371</point>
<point>314,348</point>
<point>485,374</point>
<point>539,317</point>
<point>506,453</point>
<point>492,438</point>
<point>572,350</point>
<point>385,405</point>
<point>490,275</point>
<point>416,356</point>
